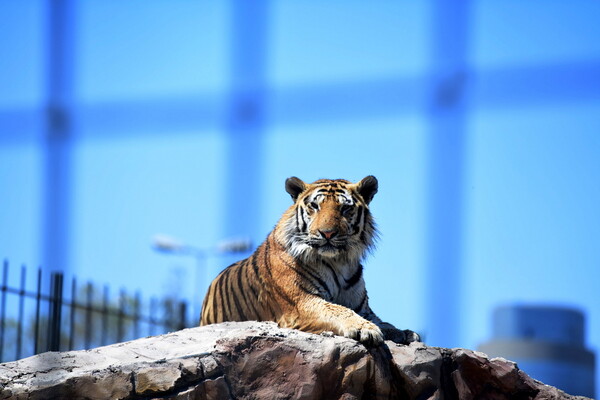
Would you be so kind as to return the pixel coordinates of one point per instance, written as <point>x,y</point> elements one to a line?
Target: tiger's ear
<point>367,188</point>
<point>294,186</point>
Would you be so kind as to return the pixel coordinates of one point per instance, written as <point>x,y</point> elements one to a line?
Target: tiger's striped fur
<point>308,273</point>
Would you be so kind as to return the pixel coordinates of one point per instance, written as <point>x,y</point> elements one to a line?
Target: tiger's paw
<point>367,333</point>
<point>411,336</point>
<point>401,336</point>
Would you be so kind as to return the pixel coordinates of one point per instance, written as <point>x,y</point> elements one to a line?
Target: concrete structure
<point>547,343</point>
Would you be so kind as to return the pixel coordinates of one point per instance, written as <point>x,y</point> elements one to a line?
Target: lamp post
<point>172,246</point>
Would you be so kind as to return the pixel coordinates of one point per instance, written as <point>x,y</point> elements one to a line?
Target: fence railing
<point>51,317</point>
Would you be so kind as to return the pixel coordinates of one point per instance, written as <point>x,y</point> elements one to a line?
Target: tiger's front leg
<point>317,315</point>
<point>390,332</point>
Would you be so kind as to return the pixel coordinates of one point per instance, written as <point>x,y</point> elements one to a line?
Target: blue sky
<point>346,89</point>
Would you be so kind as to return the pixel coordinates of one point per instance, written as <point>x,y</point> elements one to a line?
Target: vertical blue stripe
<point>57,163</point>
<point>446,148</point>
<point>245,123</point>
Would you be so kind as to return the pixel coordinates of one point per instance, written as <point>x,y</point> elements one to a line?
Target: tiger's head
<point>329,219</point>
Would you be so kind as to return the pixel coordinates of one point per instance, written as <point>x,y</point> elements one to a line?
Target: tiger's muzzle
<point>328,245</point>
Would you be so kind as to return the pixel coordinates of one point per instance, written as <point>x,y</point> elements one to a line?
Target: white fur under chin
<point>298,249</point>
<point>328,253</point>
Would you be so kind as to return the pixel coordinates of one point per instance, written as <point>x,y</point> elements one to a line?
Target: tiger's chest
<point>345,284</point>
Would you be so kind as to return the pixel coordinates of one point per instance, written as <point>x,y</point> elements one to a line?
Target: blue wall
<point>481,122</point>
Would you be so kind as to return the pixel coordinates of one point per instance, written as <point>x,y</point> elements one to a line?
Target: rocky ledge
<point>251,360</point>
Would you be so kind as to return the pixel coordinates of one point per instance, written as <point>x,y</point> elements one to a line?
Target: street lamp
<point>172,246</point>
<point>168,244</point>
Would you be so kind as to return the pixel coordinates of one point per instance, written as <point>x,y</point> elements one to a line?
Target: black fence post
<point>105,313</point>
<point>72,314</point>
<point>38,301</point>
<point>21,317</point>
<point>47,330</point>
<point>3,307</point>
<point>88,314</point>
<point>137,304</point>
<point>56,285</point>
<point>121,317</point>
<point>182,315</point>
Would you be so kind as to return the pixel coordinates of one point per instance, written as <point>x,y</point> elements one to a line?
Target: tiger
<point>308,273</point>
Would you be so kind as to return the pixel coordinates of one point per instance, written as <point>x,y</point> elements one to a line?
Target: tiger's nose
<point>328,234</point>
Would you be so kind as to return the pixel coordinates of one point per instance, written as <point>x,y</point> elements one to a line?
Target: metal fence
<point>53,317</point>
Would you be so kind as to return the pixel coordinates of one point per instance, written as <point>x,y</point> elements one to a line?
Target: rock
<point>251,360</point>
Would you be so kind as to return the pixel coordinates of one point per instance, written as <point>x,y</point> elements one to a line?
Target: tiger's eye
<point>314,205</point>
<point>346,208</point>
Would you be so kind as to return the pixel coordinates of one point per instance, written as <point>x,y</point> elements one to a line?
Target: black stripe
<point>305,269</point>
<point>354,278</point>
<point>306,290</point>
<point>255,268</point>
<point>221,299</point>
<point>316,277</point>
<point>358,222</point>
<point>362,303</point>
<point>250,284</point>
<point>327,187</point>
<point>255,264</point>
<point>218,300</point>
<point>277,288</point>
<point>248,268</point>
<point>214,302</point>
<point>303,215</point>
<point>233,294</point>
<point>335,277</point>
<point>305,273</point>
<point>239,293</point>
<point>252,288</point>
<point>227,295</point>
<point>359,215</point>
<point>262,249</point>
<point>266,249</point>
<point>230,294</point>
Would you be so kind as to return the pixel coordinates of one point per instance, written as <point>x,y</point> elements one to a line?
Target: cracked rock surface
<point>251,360</point>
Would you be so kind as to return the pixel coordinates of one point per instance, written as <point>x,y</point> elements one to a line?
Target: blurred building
<point>548,343</point>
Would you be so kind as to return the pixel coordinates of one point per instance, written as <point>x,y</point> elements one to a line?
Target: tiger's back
<point>308,273</point>
<point>240,293</point>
